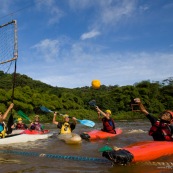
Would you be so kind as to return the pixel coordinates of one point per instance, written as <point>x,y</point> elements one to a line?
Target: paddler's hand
<point>137,100</point>
<point>141,106</point>
<point>73,118</point>
<point>99,114</point>
<point>119,157</point>
<point>11,105</point>
<point>97,108</point>
<point>55,113</point>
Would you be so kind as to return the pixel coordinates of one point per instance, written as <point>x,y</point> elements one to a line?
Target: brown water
<point>132,132</point>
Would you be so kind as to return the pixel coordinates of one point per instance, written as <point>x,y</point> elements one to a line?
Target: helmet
<point>169,111</point>
<point>65,116</point>
<point>108,111</point>
<point>37,116</point>
<point>19,119</point>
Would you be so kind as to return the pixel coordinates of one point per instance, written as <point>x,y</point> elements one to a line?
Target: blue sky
<point>68,43</point>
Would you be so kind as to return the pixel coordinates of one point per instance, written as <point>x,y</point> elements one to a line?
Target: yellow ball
<point>96,84</point>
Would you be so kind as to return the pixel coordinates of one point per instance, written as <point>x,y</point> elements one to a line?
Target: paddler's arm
<point>74,120</point>
<point>141,106</point>
<point>54,119</point>
<point>7,111</point>
<point>101,112</point>
<point>13,126</point>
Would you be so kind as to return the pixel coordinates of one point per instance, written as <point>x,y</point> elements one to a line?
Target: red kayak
<point>35,132</point>
<point>99,134</point>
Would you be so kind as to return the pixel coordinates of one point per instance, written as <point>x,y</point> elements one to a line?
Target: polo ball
<point>96,84</point>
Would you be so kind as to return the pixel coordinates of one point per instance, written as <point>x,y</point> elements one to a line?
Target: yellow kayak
<point>71,138</point>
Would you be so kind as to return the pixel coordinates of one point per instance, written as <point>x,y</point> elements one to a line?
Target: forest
<point>30,94</point>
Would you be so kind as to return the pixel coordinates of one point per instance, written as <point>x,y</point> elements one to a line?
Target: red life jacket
<point>164,128</point>
<point>108,125</point>
<point>20,126</point>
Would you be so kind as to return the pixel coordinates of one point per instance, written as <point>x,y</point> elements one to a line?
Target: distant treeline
<point>30,94</point>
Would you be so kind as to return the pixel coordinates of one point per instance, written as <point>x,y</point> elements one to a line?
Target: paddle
<point>92,103</point>
<point>23,115</point>
<point>44,109</point>
<point>88,123</point>
<point>106,147</point>
<point>9,124</point>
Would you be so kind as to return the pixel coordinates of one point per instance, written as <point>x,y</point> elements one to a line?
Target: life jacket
<point>36,126</point>
<point>20,126</point>
<point>3,130</point>
<point>108,125</point>
<point>65,129</point>
<point>163,128</point>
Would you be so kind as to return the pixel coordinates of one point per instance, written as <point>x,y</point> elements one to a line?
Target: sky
<point>69,43</point>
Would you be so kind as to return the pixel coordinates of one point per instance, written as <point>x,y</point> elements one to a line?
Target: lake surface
<point>133,131</point>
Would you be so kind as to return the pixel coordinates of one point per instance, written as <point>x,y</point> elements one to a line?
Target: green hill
<point>29,94</point>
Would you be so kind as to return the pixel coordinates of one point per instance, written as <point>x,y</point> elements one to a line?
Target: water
<point>133,131</point>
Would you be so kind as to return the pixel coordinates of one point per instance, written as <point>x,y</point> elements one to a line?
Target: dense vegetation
<point>30,94</point>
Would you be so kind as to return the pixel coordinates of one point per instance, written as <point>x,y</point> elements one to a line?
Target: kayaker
<point>108,122</point>
<point>2,123</point>
<point>65,127</point>
<point>19,125</point>
<point>162,127</point>
<point>36,124</point>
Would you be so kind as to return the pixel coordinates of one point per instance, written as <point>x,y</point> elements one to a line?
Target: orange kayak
<point>150,150</point>
<point>139,152</point>
<point>98,134</point>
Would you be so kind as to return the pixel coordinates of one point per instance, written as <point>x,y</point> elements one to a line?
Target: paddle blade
<point>88,123</point>
<point>23,115</point>
<point>92,103</point>
<point>105,148</point>
<point>44,109</point>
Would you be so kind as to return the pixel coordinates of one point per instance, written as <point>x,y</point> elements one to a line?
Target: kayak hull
<point>35,132</point>
<point>150,150</point>
<point>139,152</point>
<point>72,138</point>
<point>98,134</point>
<point>20,136</point>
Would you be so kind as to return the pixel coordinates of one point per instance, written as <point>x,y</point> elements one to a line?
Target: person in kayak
<point>65,127</point>
<point>108,122</point>
<point>2,123</point>
<point>36,124</point>
<point>19,125</point>
<point>162,127</point>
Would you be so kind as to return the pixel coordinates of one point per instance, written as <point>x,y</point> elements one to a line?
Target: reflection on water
<point>133,131</point>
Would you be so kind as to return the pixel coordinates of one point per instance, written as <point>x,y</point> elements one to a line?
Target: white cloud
<point>47,49</point>
<point>108,13</point>
<point>118,24</point>
<point>78,4</point>
<point>78,68</point>
<point>144,8</point>
<point>90,34</point>
<point>112,13</point>
<point>51,8</point>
